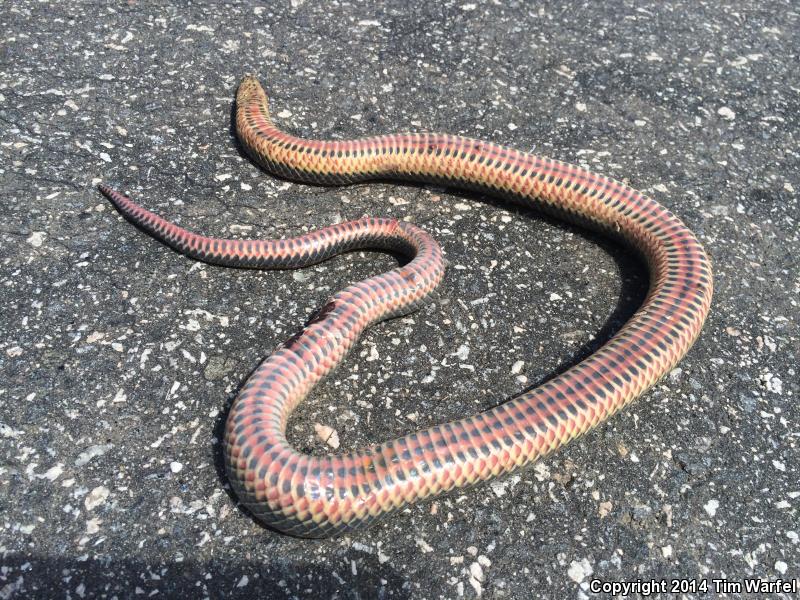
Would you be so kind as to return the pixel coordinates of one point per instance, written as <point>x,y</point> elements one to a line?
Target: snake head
<point>251,93</point>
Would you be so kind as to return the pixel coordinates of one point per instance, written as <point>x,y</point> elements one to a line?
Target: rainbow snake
<point>319,496</point>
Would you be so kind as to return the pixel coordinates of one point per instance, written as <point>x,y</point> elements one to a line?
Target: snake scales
<point>319,496</point>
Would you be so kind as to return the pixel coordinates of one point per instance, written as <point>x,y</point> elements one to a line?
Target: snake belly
<point>319,496</point>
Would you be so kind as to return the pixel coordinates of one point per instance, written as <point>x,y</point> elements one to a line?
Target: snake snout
<point>249,91</point>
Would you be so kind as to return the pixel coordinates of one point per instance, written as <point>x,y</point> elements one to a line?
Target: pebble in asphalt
<point>119,357</point>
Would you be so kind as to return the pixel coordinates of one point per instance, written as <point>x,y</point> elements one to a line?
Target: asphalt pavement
<point>119,357</point>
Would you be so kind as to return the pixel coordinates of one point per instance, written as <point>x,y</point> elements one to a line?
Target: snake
<point>321,495</point>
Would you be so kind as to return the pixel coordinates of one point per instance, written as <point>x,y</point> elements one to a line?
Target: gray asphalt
<point>119,357</point>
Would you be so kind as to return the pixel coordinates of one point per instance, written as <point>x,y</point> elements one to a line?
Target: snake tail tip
<point>106,190</point>
<point>113,195</point>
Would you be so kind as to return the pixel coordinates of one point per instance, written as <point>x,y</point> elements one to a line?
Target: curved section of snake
<point>319,496</point>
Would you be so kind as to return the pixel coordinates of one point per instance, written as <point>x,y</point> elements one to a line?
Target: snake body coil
<point>319,496</point>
